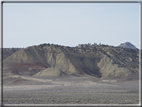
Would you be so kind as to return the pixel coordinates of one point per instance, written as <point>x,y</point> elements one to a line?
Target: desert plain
<point>71,90</point>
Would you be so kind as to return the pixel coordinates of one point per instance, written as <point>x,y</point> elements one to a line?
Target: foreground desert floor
<point>71,90</point>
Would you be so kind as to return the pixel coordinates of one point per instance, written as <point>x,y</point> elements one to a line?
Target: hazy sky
<point>70,24</point>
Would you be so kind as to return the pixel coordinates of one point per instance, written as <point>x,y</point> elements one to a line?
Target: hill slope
<point>8,51</point>
<point>47,60</point>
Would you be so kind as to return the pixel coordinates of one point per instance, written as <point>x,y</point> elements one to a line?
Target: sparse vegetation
<point>76,91</point>
<point>70,98</point>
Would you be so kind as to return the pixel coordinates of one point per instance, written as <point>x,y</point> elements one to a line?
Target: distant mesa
<point>127,45</point>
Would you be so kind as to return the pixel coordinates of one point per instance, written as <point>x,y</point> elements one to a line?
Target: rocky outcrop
<point>127,45</point>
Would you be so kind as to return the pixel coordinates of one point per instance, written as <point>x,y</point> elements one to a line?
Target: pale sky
<point>70,24</point>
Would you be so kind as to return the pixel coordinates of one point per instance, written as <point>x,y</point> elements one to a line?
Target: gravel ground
<point>73,91</point>
<point>70,98</point>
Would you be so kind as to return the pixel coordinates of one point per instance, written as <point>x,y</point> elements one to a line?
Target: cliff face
<point>47,60</point>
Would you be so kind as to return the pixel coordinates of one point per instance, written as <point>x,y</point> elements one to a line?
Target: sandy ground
<point>71,90</point>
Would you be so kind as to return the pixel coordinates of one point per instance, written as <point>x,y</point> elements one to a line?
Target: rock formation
<point>127,45</point>
<point>46,60</point>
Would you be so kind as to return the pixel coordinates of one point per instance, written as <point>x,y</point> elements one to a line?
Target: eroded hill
<point>47,60</point>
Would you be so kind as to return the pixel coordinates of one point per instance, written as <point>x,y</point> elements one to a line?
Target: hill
<point>49,60</point>
<point>127,45</point>
<point>8,51</point>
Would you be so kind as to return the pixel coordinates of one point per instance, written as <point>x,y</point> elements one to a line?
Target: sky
<point>70,24</point>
